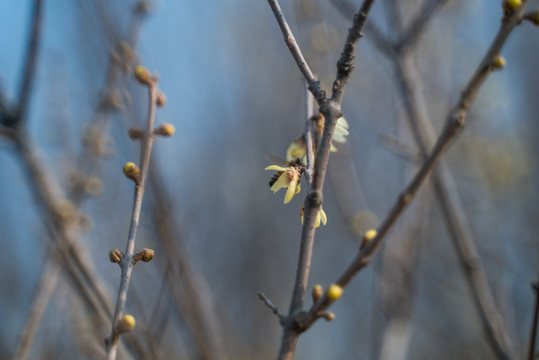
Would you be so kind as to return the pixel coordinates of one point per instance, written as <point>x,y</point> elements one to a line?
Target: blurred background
<point>220,235</point>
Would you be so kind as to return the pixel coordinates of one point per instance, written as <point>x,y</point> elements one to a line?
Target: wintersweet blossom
<point>289,178</point>
<point>320,217</point>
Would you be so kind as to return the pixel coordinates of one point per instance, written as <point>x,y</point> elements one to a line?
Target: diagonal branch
<point>30,64</point>
<point>455,122</point>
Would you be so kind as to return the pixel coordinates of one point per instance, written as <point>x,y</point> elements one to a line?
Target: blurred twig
<point>40,300</point>
<point>331,109</point>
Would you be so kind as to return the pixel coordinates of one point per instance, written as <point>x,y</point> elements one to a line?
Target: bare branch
<point>411,35</point>
<point>127,261</point>
<point>455,122</point>
<point>30,64</point>
<point>330,108</point>
<point>270,305</point>
<point>290,40</point>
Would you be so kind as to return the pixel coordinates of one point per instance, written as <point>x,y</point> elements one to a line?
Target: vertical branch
<point>330,108</point>
<point>127,261</point>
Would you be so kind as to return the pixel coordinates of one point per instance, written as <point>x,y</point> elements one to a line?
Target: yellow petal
<point>323,216</point>
<point>333,148</point>
<point>296,150</point>
<point>290,191</point>
<point>301,219</point>
<point>342,121</point>
<point>281,182</point>
<point>341,130</point>
<point>317,220</point>
<point>298,188</point>
<point>275,167</point>
<point>339,138</point>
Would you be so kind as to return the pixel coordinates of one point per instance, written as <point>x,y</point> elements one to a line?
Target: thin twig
<point>270,305</point>
<point>290,40</point>
<point>535,319</point>
<point>126,263</point>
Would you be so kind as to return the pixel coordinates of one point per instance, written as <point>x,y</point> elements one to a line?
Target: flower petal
<point>333,148</point>
<point>298,188</point>
<point>281,182</point>
<point>341,130</point>
<point>317,220</point>
<point>275,167</point>
<point>290,191</point>
<point>323,217</point>
<point>342,121</point>
<point>339,138</point>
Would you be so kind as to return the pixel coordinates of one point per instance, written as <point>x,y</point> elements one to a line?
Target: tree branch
<point>330,108</point>
<point>454,124</point>
<point>127,262</point>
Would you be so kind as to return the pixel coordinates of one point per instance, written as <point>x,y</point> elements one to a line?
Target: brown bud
<point>161,99</point>
<point>116,256</point>
<point>329,316</point>
<point>136,133</point>
<point>147,255</point>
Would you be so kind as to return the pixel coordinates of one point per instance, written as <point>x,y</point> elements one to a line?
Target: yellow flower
<point>289,178</point>
<point>296,150</point>
<point>341,130</point>
<point>320,217</point>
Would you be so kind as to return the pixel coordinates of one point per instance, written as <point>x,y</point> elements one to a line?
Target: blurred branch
<point>445,189</point>
<point>139,177</point>
<point>29,66</point>
<point>410,36</point>
<point>185,284</point>
<point>454,124</point>
<point>40,300</point>
<point>330,108</point>
<point>533,331</point>
<point>308,135</point>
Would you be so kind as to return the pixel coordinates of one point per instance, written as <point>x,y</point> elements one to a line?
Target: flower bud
<point>135,133</point>
<point>116,256</point>
<point>498,62</point>
<point>147,255</point>
<point>334,292</point>
<point>165,130</point>
<point>143,75</point>
<point>367,237</point>
<point>511,5</point>
<point>317,292</point>
<point>329,316</point>
<point>126,324</point>
<point>161,99</point>
<point>131,171</point>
